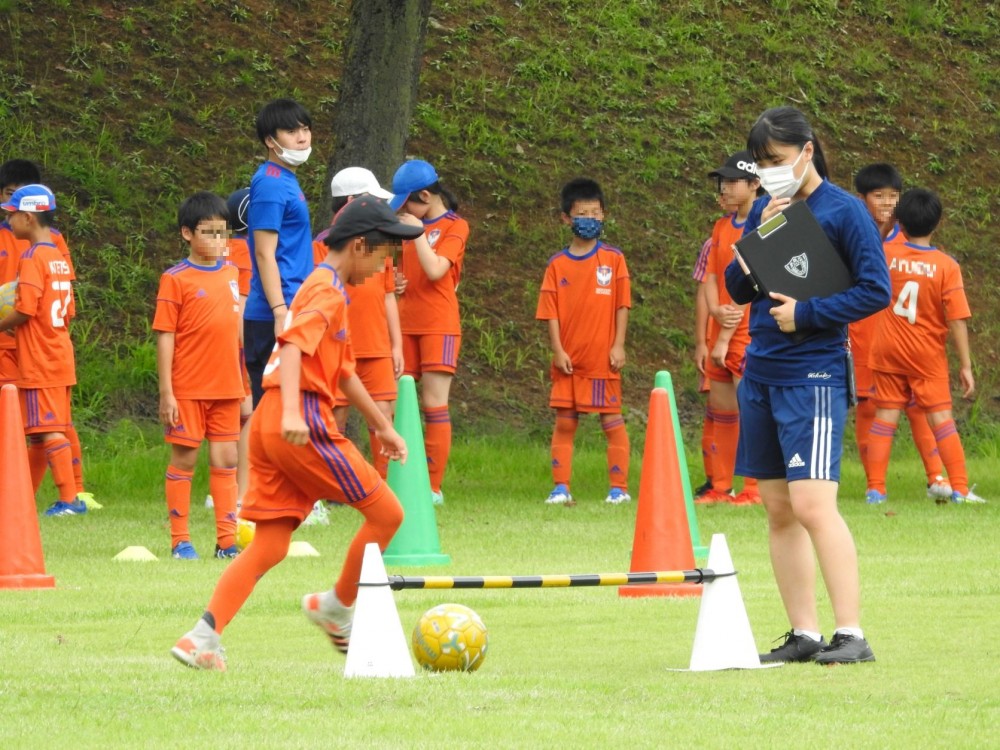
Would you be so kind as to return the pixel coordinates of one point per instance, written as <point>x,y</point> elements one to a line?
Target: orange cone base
<point>660,589</point>
<point>29,581</point>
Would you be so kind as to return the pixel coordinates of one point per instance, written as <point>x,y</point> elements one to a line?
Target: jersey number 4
<point>59,307</point>
<point>906,302</point>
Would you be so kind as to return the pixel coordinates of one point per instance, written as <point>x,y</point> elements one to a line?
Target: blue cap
<point>414,175</point>
<point>34,199</point>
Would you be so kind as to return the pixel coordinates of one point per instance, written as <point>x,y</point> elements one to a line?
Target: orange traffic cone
<point>22,565</point>
<point>662,535</point>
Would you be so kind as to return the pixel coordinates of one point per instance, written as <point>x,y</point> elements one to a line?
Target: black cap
<point>238,204</point>
<point>365,214</point>
<point>739,166</point>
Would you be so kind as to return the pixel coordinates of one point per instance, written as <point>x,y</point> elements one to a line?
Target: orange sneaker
<point>747,497</point>
<point>715,496</point>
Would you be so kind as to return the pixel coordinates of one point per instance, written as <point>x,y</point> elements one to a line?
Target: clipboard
<point>791,254</point>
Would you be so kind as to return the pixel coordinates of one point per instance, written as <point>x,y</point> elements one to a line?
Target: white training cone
<point>302,549</point>
<point>135,554</point>
<point>378,646</point>
<point>723,639</point>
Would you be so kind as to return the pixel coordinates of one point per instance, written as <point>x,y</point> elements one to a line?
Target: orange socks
<point>562,445</point>
<point>77,451</point>
<point>618,451</point>
<point>437,444</point>
<point>222,487</point>
<point>382,519</point>
<point>38,462</point>
<point>60,460</point>
<point>879,449</point>
<point>727,433</point>
<point>953,455</point>
<point>923,438</point>
<point>178,491</point>
<point>864,413</point>
<point>707,439</point>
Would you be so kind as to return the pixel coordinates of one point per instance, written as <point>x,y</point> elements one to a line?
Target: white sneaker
<point>332,617</point>
<point>970,497</point>
<point>559,495</point>
<point>319,515</point>
<point>437,498</point>
<point>939,489</point>
<point>617,496</point>
<point>200,649</point>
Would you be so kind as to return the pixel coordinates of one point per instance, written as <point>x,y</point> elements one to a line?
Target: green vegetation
<point>88,664</point>
<point>131,107</point>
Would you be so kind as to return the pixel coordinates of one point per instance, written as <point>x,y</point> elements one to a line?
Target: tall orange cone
<point>22,565</point>
<point>662,535</point>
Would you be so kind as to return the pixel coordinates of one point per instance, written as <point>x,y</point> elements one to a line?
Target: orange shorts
<point>201,419</point>
<point>430,352</point>
<point>286,479</point>
<point>894,391</point>
<point>591,395</point>
<point>703,386</point>
<point>46,409</point>
<point>8,365</point>
<point>735,365</point>
<point>246,374</point>
<point>376,376</point>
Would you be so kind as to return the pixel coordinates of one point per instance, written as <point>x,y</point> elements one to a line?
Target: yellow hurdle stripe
<point>698,575</point>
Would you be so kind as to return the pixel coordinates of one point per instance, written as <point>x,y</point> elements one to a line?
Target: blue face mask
<point>587,228</point>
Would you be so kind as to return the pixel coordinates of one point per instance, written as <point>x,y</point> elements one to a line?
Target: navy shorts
<point>790,432</point>
<point>258,343</point>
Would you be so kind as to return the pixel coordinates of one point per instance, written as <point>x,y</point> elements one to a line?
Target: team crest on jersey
<point>604,275</point>
<point>235,289</point>
<point>798,266</point>
<point>432,237</point>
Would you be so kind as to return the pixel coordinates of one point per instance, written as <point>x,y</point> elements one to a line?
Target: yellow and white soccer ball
<point>244,533</point>
<point>8,292</point>
<point>450,637</point>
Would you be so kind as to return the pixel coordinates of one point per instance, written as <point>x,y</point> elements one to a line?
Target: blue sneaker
<point>971,497</point>
<point>59,508</point>
<point>559,495</point>
<point>874,497</point>
<point>184,551</point>
<point>227,553</point>
<point>617,496</point>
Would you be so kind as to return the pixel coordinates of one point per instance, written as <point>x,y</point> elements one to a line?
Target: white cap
<point>355,181</point>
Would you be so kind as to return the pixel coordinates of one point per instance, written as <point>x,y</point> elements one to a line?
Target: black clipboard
<point>791,254</point>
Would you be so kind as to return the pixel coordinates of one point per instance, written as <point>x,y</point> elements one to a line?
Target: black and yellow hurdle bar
<point>697,575</point>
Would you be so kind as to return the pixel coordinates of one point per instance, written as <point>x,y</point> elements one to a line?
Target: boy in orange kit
<point>908,354</point>
<point>585,299</point>
<point>201,381</point>
<point>297,455</point>
<point>45,361</point>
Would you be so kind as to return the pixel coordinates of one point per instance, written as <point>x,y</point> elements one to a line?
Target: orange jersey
<point>320,251</point>
<point>11,250</point>
<point>432,306</point>
<point>584,293</point>
<point>861,332</point>
<point>366,314</point>
<point>316,324</point>
<point>200,305</point>
<point>927,293</point>
<point>239,256</point>
<point>45,294</point>
<point>720,254</point>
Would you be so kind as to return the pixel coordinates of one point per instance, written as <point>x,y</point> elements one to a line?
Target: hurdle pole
<point>697,575</point>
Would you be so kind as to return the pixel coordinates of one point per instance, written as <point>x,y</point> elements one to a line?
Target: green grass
<point>87,664</point>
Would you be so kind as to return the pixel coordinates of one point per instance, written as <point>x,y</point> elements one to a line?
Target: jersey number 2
<point>906,302</point>
<point>61,305</point>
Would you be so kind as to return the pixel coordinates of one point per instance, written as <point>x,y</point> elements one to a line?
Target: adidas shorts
<point>790,432</point>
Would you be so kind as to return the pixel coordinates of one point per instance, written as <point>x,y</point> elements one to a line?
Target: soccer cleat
<point>318,516</point>
<point>747,497</point>
<point>559,495</point>
<point>795,648</point>
<point>227,553</point>
<point>334,620</point>
<point>87,498</point>
<point>939,489</point>
<point>617,496</point>
<point>874,497</point>
<point>969,497</point>
<point>845,649</point>
<point>200,650</point>
<point>60,508</point>
<point>715,496</point>
<point>209,501</point>
<point>437,497</point>
<point>184,551</point>
<point>699,491</point>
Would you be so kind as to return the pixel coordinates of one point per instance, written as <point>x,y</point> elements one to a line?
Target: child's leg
<point>951,450</point>
<point>383,516</point>
<point>60,460</point>
<point>880,437</point>
<point>726,416</point>
<point>923,438</point>
<point>268,548</point>
<point>434,390</point>
<point>38,461</point>
<point>864,414</point>
<point>77,453</point>
<point>707,440</point>
<point>380,462</point>
<point>618,449</point>
<point>243,450</point>
<point>567,421</point>
<point>178,491</point>
<point>222,459</point>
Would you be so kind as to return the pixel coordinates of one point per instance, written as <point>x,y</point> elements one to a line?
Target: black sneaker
<point>699,491</point>
<point>845,649</point>
<point>795,648</point>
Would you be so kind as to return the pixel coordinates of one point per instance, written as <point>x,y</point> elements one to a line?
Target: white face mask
<point>781,182</point>
<point>292,157</point>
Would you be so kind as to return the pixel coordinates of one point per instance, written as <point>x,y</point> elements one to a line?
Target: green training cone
<point>416,542</point>
<point>663,380</point>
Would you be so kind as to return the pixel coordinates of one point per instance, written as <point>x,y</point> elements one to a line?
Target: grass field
<point>87,664</point>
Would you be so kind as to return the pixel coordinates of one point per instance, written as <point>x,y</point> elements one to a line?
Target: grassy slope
<point>131,108</point>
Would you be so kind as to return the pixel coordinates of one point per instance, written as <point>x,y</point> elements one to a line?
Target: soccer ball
<point>7,294</point>
<point>244,533</point>
<point>450,637</point>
